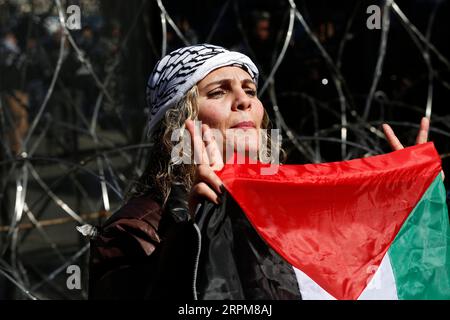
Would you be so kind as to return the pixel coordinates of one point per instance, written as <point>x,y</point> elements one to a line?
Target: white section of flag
<point>380,287</point>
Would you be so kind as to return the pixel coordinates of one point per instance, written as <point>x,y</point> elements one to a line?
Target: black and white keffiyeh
<point>176,73</point>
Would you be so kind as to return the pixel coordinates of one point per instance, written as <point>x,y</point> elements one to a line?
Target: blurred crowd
<point>30,47</point>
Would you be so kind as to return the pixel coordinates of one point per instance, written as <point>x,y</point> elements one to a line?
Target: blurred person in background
<point>11,63</point>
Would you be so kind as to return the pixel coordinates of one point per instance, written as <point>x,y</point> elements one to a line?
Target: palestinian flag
<point>372,228</point>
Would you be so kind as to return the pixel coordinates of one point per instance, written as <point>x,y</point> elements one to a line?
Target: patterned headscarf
<point>180,70</point>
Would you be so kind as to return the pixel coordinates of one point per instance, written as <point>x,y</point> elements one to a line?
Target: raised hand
<point>207,185</point>
<point>422,136</point>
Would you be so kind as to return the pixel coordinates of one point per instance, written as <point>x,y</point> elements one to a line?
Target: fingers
<point>200,155</point>
<point>205,174</point>
<point>199,192</point>
<point>213,143</point>
<point>422,136</point>
<point>202,191</point>
<point>392,138</point>
<point>206,143</point>
<point>207,185</point>
<point>207,156</point>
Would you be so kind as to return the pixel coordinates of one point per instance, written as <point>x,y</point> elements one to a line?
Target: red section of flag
<point>334,221</point>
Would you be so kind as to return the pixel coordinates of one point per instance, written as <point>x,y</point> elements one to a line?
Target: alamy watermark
<point>74,279</point>
<point>73,21</point>
<point>374,20</point>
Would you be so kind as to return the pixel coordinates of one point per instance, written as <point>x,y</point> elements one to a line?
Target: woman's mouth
<point>244,125</point>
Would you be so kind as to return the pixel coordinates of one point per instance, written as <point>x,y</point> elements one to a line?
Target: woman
<point>145,249</point>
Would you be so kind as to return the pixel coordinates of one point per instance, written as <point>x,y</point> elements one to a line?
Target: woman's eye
<point>216,93</point>
<point>251,92</point>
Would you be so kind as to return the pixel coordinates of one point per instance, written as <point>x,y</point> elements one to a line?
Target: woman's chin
<point>242,154</point>
<point>243,143</point>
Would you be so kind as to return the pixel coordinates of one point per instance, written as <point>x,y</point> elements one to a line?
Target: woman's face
<point>228,102</point>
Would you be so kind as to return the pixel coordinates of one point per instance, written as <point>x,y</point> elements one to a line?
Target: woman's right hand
<point>207,185</point>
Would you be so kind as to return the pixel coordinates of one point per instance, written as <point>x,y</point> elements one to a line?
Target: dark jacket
<point>121,255</point>
<point>143,253</point>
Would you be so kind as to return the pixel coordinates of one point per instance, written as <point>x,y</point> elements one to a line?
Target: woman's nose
<point>242,101</point>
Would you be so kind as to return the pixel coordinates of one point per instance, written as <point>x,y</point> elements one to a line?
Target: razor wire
<point>115,160</point>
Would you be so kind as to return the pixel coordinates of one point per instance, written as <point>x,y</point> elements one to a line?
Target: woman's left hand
<point>395,144</point>
<point>422,136</point>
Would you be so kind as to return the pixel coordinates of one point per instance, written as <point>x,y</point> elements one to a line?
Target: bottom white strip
<point>380,287</point>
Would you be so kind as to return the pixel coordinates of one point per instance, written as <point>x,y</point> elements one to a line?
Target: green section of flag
<point>420,253</point>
